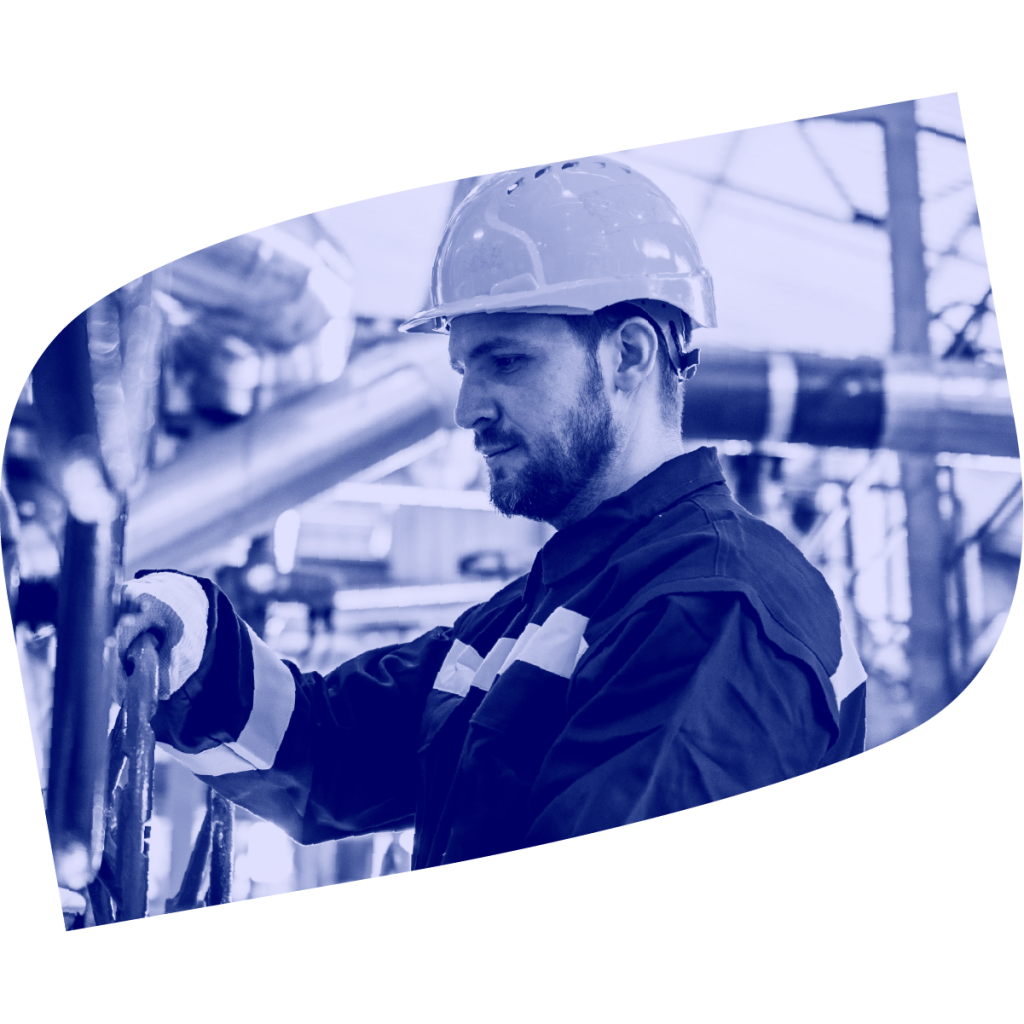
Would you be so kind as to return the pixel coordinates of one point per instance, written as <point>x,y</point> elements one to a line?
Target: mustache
<point>496,437</point>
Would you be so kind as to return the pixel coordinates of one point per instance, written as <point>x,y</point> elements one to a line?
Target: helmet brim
<point>691,293</point>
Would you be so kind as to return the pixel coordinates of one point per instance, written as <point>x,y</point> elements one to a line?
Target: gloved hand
<point>173,608</point>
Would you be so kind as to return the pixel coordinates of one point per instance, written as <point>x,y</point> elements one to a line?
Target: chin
<point>510,500</point>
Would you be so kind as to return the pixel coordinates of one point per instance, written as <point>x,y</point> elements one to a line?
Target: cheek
<point>541,402</point>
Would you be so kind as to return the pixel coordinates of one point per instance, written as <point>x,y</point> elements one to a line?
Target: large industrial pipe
<point>904,403</point>
<point>234,482</point>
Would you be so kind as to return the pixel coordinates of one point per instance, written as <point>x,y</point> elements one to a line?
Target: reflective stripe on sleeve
<point>259,741</point>
<point>850,672</point>
<point>458,670</point>
<point>555,646</point>
<point>529,632</point>
<point>492,664</point>
<point>219,760</point>
<point>273,702</point>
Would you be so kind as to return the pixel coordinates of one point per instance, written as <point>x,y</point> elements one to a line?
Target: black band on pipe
<point>729,398</point>
<point>839,402</point>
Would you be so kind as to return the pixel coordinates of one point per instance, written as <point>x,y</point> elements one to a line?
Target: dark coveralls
<point>667,650</point>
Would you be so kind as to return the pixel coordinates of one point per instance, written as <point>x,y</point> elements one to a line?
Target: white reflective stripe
<point>459,667</point>
<point>272,705</point>
<point>850,673</point>
<point>556,645</point>
<point>219,760</point>
<point>273,702</point>
<point>491,665</point>
<point>584,646</point>
<point>529,632</point>
<point>187,599</point>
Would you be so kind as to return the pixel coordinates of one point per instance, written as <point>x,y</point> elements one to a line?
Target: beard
<point>561,463</point>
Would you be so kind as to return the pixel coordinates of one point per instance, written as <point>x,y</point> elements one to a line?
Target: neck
<point>639,455</point>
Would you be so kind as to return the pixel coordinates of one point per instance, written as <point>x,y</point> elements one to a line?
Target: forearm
<point>322,757</point>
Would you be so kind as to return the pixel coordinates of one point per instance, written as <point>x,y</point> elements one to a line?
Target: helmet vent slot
<point>540,172</point>
<point>571,163</point>
<point>514,186</point>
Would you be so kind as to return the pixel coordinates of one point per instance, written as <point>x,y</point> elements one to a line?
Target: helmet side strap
<point>683,362</point>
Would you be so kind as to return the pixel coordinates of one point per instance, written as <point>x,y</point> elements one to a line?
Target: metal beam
<point>928,647</point>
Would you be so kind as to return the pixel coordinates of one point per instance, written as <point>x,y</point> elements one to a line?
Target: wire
<point>858,215</point>
<point>941,134</point>
<point>962,346</point>
<point>953,249</point>
<point>719,180</point>
<point>949,191</point>
<point>723,182</point>
<point>988,524</point>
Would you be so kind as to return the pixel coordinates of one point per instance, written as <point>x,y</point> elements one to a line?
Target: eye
<point>506,363</point>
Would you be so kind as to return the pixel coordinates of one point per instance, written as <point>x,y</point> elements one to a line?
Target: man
<point>666,649</point>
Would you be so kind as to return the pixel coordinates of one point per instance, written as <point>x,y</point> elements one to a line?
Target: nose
<point>476,408</point>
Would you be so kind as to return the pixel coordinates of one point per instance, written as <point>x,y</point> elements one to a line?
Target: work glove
<point>174,609</point>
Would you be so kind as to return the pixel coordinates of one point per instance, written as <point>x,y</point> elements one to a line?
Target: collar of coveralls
<point>672,482</point>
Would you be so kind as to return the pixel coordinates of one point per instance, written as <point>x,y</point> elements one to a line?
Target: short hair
<point>589,330</point>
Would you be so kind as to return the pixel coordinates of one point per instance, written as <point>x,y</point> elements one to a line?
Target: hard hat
<point>567,238</point>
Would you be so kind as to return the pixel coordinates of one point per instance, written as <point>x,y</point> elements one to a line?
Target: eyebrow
<point>484,347</point>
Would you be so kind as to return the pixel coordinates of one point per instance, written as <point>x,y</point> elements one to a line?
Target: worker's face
<point>535,400</point>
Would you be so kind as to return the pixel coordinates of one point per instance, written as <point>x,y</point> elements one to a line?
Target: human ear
<point>636,352</point>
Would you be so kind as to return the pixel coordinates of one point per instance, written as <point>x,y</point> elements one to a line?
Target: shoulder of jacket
<point>726,550</point>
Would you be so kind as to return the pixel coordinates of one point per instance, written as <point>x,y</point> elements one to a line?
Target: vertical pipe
<point>222,818</point>
<point>81,703</point>
<point>928,645</point>
<point>137,797</point>
<point>958,567</point>
<point>910,306</point>
<point>62,381</point>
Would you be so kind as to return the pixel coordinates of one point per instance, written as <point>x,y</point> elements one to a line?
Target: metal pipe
<point>222,820</point>
<point>187,897</point>
<point>236,481</point>
<point>81,702</point>
<point>928,646</point>
<point>213,852</point>
<point>906,403</point>
<point>136,809</point>
<point>230,483</point>
<point>75,792</point>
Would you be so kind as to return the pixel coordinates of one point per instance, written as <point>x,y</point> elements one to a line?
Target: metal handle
<point>213,851</point>
<point>136,802</point>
